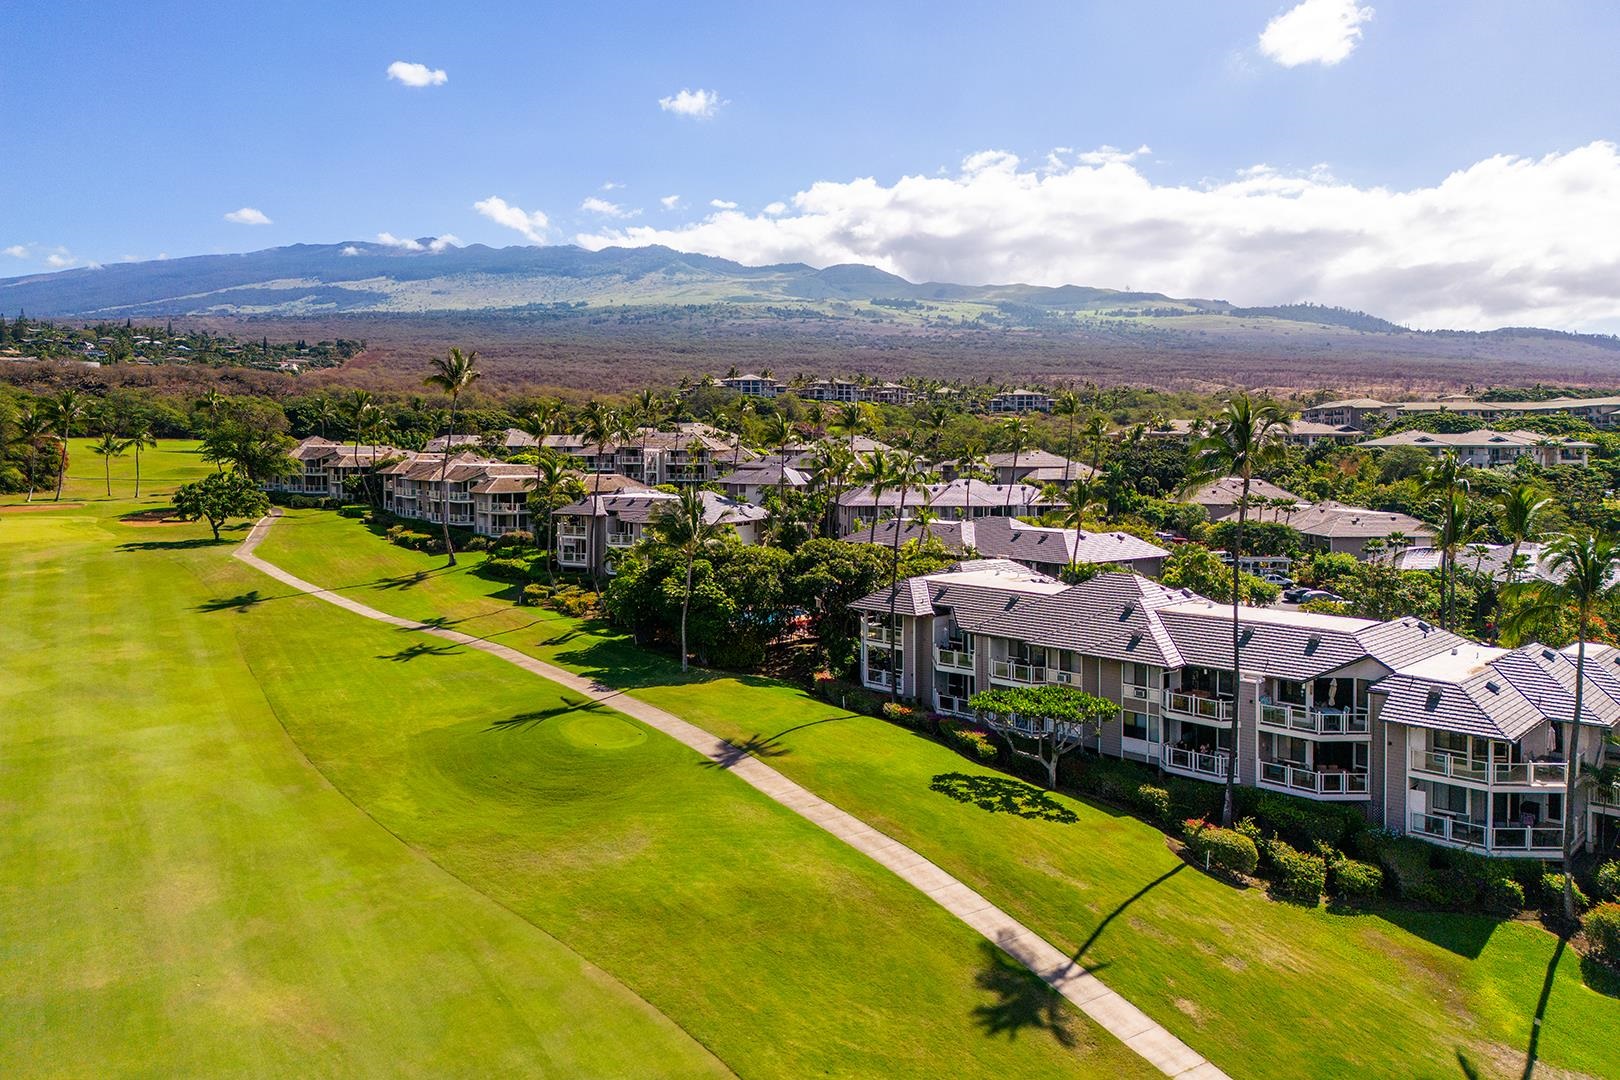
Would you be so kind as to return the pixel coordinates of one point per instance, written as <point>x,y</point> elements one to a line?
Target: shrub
<point>1504,896</point>
<point>476,543</point>
<point>1109,779</point>
<point>1552,895</point>
<point>1295,875</point>
<point>971,742</point>
<point>1353,881</point>
<point>905,716</point>
<point>1606,881</point>
<point>512,541</point>
<point>535,594</point>
<point>1248,827</point>
<point>574,601</point>
<point>1224,850</point>
<point>1306,824</point>
<point>1193,798</point>
<point>1450,888</point>
<point>1603,932</point>
<point>824,684</point>
<point>511,570</point>
<point>1153,802</point>
<point>353,511</point>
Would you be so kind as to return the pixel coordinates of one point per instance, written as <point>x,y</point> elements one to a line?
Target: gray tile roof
<point>1112,615</point>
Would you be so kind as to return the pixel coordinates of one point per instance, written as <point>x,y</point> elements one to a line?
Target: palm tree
<point>537,423</point>
<point>140,437</point>
<point>1246,437</point>
<point>322,412</point>
<point>33,430</point>
<point>597,425</point>
<point>875,471</point>
<point>1079,498</point>
<point>1584,569</point>
<point>830,466</point>
<point>109,446</point>
<point>1015,435</point>
<point>1445,477</point>
<point>906,470</point>
<point>451,374</point>
<point>778,433</point>
<point>851,421</point>
<point>684,527</point>
<point>66,410</point>
<point>1067,404</point>
<point>1095,434</point>
<point>555,486</point>
<point>1520,509</point>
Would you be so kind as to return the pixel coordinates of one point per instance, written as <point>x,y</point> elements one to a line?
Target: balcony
<point>1286,777</point>
<point>1198,706</point>
<point>621,539</point>
<point>1282,717</point>
<point>1449,830</point>
<point>952,706</point>
<point>1211,766</point>
<point>958,659</point>
<point>879,635</point>
<point>1013,671</point>
<point>880,679</point>
<point>1545,840</point>
<point>1531,774</point>
<point>570,532</point>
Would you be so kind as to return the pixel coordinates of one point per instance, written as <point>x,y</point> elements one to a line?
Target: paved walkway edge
<point>1108,1009</point>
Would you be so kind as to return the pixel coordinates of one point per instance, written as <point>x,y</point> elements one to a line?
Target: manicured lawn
<point>1265,989</point>
<point>468,874</point>
<point>163,468</point>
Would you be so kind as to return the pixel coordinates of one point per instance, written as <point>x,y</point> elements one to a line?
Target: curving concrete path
<point>1112,1012</point>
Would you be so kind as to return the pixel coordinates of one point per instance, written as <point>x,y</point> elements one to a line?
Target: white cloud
<point>1314,32</point>
<point>440,243</point>
<point>670,202</point>
<point>247,216</point>
<point>722,204</point>
<point>532,224</point>
<point>1104,155</point>
<point>60,259</point>
<point>611,185</point>
<point>775,208</point>
<point>349,249</point>
<point>594,205</point>
<point>701,104</point>
<point>412,74</point>
<point>1505,241</point>
<point>17,251</point>
<point>404,243</point>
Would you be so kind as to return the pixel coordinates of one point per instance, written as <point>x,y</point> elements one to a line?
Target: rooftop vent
<point>1127,611</point>
<point>1312,643</point>
<point>1136,639</point>
<point>1548,654</point>
<point>1494,687</point>
<point>1433,701</point>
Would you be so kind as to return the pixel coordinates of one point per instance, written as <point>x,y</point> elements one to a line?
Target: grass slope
<point>183,893</point>
<point>1264,989</point>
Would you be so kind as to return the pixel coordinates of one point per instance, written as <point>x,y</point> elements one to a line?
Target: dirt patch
<point>23,508</point>
<point>145,519</point>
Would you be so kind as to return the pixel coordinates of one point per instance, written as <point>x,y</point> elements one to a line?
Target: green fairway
<point>1264,989</point>
<point>476,876</point>
<point>163,468</point>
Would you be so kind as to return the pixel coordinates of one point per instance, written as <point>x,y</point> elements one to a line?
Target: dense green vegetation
<point>132,343</point>
<point>1257,984</point>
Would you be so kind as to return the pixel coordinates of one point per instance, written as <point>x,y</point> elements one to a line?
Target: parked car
<point>1319,594</point>
<point>1294,594</point>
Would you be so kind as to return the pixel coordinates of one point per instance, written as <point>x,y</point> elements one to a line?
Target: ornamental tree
<point>1055,718</point>
<point>220,496</point>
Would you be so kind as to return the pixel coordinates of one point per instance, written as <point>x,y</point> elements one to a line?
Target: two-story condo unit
<point>752,481</point>
<point>1331,526</point>
<point>1027,467</point>
<point>1021,401</point>
<point>593,533</point>
<point>1488,449</point>
<point>1040,548</point>
<point>956,500</point>
<point>324,465</point>
<point>490,497</point>
<point>759,386</point>
<point>1429,734</point>
<point>694,456</point>
<point>1351,412</point>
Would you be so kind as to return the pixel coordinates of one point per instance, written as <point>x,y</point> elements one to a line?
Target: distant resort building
<point>1488,449</point>
<point>1048,550</point>
<point>1021,401</point>
<point>955,500</point>
<point>1600,412</point>
<point>592,534</point>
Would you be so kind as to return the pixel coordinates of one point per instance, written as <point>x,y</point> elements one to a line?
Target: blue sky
<point>141,126</point>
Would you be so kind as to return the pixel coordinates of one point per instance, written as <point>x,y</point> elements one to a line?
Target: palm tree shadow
<point>1532,1050</point>
<point>1022,1002</point>
<point>434,622</point>
<point>421,648</point>
<point>524,720</point>
<point>172,545</point>
<point>761,746</point>
<point>240,602</point>
<point>1120,910</point>
<point>403,581</point>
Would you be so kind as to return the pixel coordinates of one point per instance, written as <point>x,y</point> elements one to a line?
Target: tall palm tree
<point>1246,437</point>
<point>537,423</point>
<point>1447,479</point>
<point>140,437</point>
<point>1520,510</point>
<point>323,412</point>
<point>66,410</point>
<point>906,470</point>
<point>1015,435</point>
<point>33,431</point>
<point>779,432</point>
<point>1079,499</point>
<point>830,467</point>
<point>1584,568</point>
<point>1067,404</point>
<point>555,486</point>
<point>875,471</point>
<point>597,425</point>
<point>452,375</point>
<point>850,421</point>
<point>1095,434</point>
<point>109,446</point>
<point>683,526</point>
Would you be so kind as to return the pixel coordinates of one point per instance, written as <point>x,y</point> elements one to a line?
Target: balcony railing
<point>1320,782</point>
<point>1204,708</point>
<point>570,532</point>
<point>1286,717</point>
<point>1451,830</point>
<point>1503,773</point>
<point>885,679</point>
<point>1012,671</point>
<point>961,659</point>
<point>1212,765</point>
<point>621,539</point>
<point>955,706</point>
<point>879,635</point>
<point>1547,836</point>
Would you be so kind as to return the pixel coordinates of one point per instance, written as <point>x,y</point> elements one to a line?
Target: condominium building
<point>1026,467</point>
<point>760,386</point>
<point>324,466</point>
<point>592,534</point>
<point>1335,527</point>
<point>695,455</point>
<point>1431,735</point>
<point>489,497</point>
<point>1021,401</point>
<point>1488,449</point>
<point>957,500</point>
<point>1047,550</point>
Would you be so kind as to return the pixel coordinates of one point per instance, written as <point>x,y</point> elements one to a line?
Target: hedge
<point>1606,881</point>
<point>1603,932</point>
<point>1306,824</point>
<point>353,510</point>
<point>512,570</point>
<point>1294,874</point>
<point>1153,802</point>
<point>970,741</point>
<point>1353,881</point>
<point>1552,895</point>
<point>1224,850</point>
<point>1503,896</point>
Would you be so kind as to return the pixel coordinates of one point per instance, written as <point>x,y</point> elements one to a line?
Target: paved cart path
<point>1119,1017</point>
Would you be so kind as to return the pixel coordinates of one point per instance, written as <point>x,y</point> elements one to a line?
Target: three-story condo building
<point>1431,735</point>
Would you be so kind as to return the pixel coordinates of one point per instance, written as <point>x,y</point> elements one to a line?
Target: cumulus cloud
<point>402,242</point>
<point>699,104</point>
<point>247,216</point>
<point>532,224</point>
<point>17,251</point>
<point>440,243</point>
<point>1314,32</point>
<point>776,208</point>
<point>594,205</point>
<point>611,185</point>
<point>349,249</point>
<point>1507,240</point>
<point>670,202</point>
<point>722,204</point>
<point>60,259</point>
<point>412,74</point>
